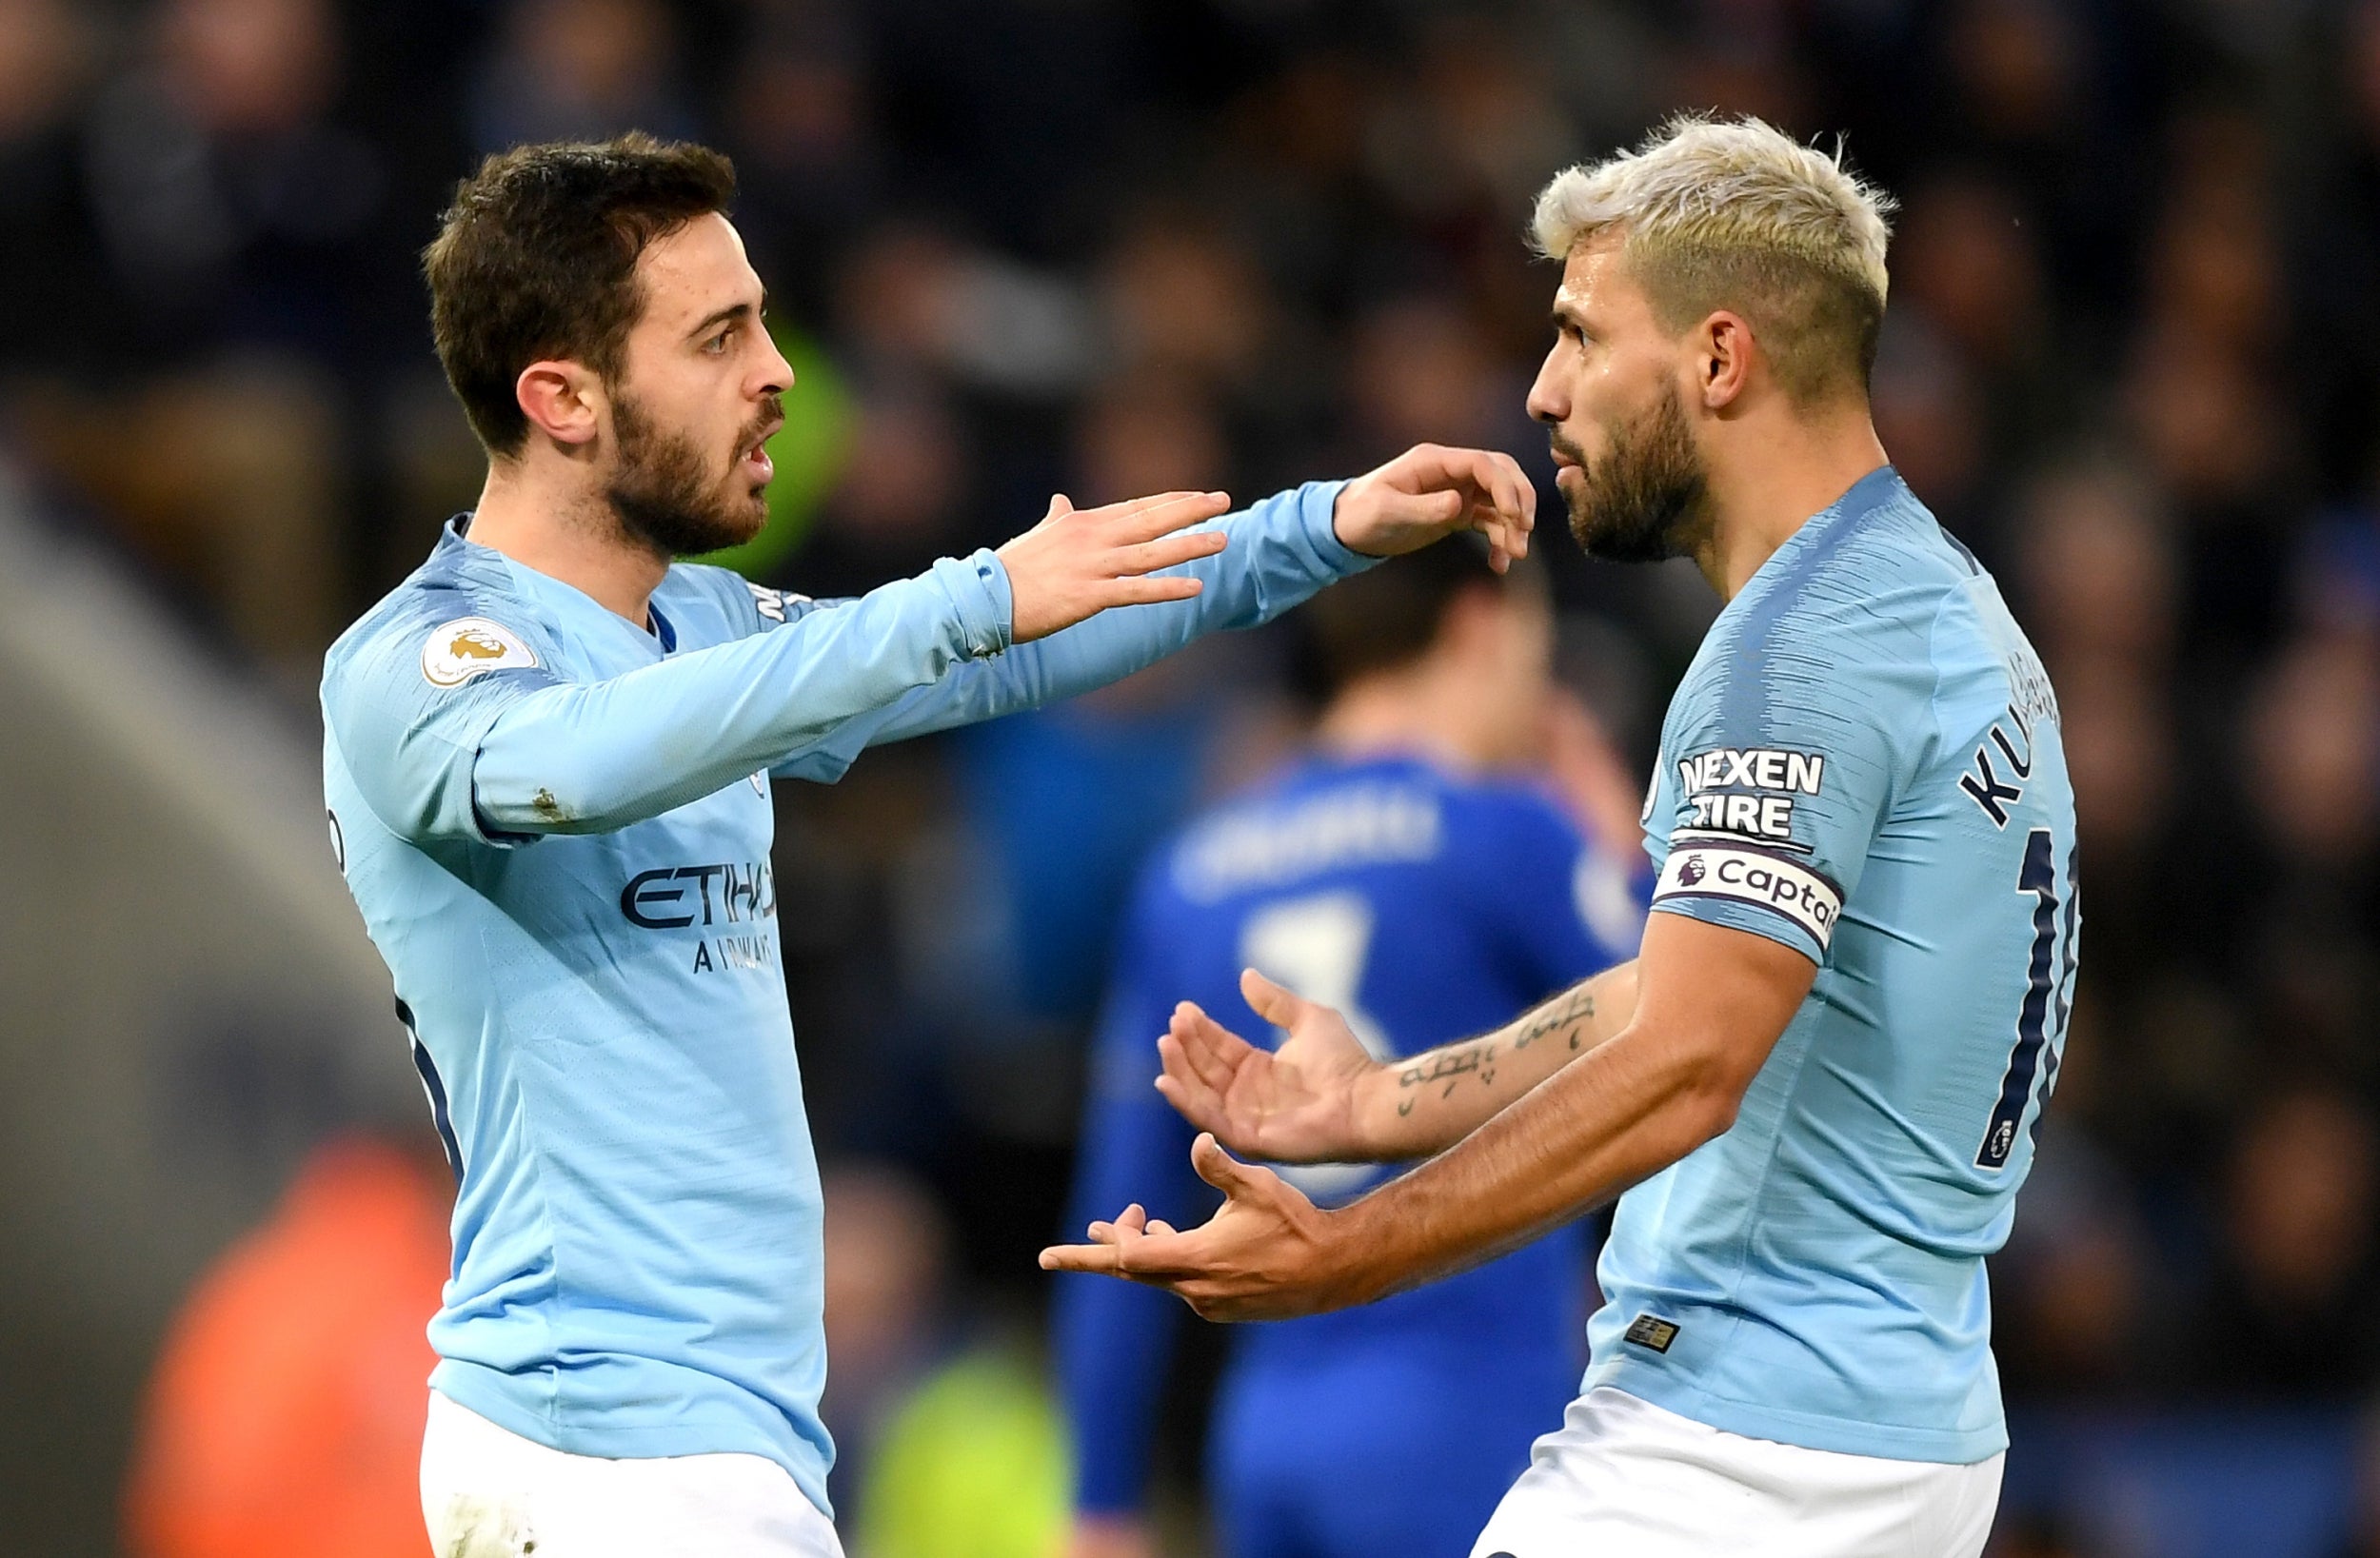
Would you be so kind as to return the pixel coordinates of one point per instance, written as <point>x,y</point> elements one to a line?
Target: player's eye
<point>718,344</point>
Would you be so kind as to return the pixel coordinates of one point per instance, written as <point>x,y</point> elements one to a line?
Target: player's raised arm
<point>1712,1003</point>
<point>504,748</point>
<point>1319,1097</point>
<point>1279,551</point>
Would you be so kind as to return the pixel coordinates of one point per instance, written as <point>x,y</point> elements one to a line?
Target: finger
<point>1213,1051</point>
<point>1183,1086</point>
<point>1158,1260</point>
<point>1146,519</point>
<point>1525,489</point>
<point>1505,532</point>
<point>1208,1067</point>
<point>1169,551</point>
<point>1225,1172</point>
<point>1059,506</point>
<point>1276,1004</point>
<point>1503,545</point>
<point>1098,1259</point>
<point>1444,506</point>
<point>1515,498</point>
<point>1160,1227</point>
<point>1126,506</point>
<point>1142,592</point>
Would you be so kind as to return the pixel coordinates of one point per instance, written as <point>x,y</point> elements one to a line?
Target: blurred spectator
<point>2290,1313</point>
<point>1182,298</point>
<point>1417,371</point>
<point>899,501</point>
<point>2071,1291</point>
<point>808,162</point>
<point>233,204</point>
<point>580,70</point>
<point>943,1451</point>
<point>888,1305</point>
<point>285,1413</point>
<point>47,55</point>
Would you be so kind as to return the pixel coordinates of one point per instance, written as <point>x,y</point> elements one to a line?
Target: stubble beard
<point>1646,499</point>
<point>666,495</point>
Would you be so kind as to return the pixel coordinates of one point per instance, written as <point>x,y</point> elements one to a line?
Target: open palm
<point>1295,1104</point>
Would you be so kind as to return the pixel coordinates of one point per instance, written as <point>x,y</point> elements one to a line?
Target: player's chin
<point>746,507</point>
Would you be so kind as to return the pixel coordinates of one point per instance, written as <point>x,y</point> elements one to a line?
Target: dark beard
<point>664,494</point>
<point>1643,502</point>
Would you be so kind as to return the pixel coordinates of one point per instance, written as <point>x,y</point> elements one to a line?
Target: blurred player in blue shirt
<point>1817,1104</point>
<point>546,758</point>
<point>1407,874</point>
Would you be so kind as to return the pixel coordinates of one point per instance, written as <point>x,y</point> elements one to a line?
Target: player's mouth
<point>754,461</point>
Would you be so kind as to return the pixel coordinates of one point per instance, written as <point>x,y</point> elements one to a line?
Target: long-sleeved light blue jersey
<point>557,825</point>
<point>1862,763</point>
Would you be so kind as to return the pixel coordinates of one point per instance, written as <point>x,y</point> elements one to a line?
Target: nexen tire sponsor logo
<point>1752,876</point>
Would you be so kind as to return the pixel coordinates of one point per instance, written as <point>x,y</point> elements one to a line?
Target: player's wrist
<point>1354,1242</point>
<point>1356,518</point>
<point>1377,1132</point>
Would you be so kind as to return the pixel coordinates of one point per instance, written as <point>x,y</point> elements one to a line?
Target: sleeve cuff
<point>1317,503</point>
<point>977,587</point>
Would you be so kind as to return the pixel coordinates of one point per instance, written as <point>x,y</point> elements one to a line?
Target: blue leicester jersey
<point>557,825</point>
<point>1862,763</point>
<point>1423,906</point>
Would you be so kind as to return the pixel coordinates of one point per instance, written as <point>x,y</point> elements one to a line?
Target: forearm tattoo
<point>1477,1057</point>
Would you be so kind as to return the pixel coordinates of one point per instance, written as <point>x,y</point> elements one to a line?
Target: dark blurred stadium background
<point>1025,245</point>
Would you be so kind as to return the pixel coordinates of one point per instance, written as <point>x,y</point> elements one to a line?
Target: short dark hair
<point>536,259</point>
<point>1385,617</point>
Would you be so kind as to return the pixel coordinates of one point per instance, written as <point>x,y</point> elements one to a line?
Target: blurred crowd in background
<point>1019,247</point>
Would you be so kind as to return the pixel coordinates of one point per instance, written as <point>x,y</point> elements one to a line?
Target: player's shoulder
<point>1875,567</point>
<point>1848,609</point>
<point>458,614</point>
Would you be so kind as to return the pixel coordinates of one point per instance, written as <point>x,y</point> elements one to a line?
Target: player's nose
<point>1546,402</point>
<point>777,375</point>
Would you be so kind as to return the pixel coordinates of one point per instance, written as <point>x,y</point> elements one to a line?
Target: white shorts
<point>1623,1478</point>
<point>489,1493</point>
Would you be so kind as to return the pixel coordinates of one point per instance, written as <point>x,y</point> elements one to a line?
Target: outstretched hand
<point>1296,1104</point>
<point>1268,1254</point>
<point>1430,492</point>
<point>1078,562</point>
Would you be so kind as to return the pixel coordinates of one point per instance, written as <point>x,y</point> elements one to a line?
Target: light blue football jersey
<point>1863,763</point>
<point>557,825</point>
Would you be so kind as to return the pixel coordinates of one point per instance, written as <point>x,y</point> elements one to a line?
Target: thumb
<point>1441,508</point>
<point>1059,506</point>
<point>1220,1169</point>
<point>1275,1004</point>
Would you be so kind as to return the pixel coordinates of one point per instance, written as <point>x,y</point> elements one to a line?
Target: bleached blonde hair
<point>1734,214</point>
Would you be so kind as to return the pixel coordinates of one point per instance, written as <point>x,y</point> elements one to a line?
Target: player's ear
<point>1723,358</point>
<point>562,400</point>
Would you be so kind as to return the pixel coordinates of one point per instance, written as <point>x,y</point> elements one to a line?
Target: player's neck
<point>1401,713</point>
<point>1767,479</point>
<point>567,534</point>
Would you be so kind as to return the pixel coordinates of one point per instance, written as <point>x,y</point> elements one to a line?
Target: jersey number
<point>2049,1000</point>
<point>1317,946</point>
